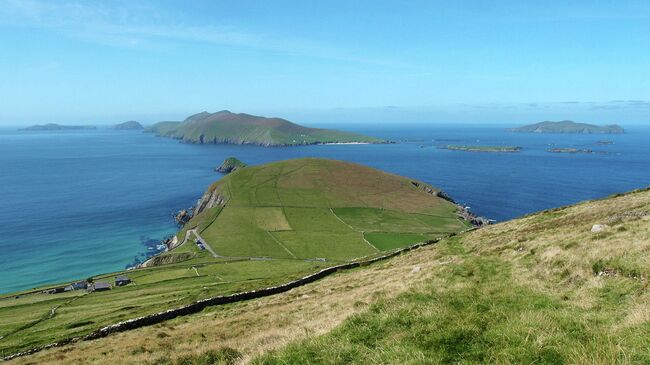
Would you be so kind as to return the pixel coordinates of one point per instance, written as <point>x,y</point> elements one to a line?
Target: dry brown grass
<point>560,245</point>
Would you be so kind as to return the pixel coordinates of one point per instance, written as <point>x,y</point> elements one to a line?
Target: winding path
<point>204,242</point>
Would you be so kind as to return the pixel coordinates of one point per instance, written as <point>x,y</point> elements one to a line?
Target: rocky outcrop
<point>183,216</point>
<point>463,211</point>
<point>472,218</point>
<point>229,165</point>
<point>170,258</point>
<point>426,188</point>
<point>441,194</point>
<point>210,199</point>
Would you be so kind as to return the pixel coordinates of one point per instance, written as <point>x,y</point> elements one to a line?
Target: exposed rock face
<point>463,212</point>
<point>172,243</point>
<point>183,216</point>
<point>597,228</point>
<point>209,200</point>
<point>430,190</point>
<point>166,259</point>
<point>475,220</point>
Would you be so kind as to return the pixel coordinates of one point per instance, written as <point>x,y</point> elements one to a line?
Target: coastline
<point>260,144</point>
<point>338,143</point>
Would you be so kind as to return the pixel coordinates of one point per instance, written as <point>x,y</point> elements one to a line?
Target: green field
<point>300,215</point>
<point>153,289</point>
<point>388,241</point>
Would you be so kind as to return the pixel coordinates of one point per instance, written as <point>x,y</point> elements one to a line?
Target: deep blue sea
<point>79,203</point>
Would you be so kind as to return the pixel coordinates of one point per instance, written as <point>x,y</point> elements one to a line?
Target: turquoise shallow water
<point>78,203</point>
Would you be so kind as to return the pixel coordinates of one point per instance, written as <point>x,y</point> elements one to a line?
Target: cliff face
<point>210,199</point>
<point>463,212</point>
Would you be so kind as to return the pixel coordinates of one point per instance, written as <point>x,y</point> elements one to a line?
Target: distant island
<point>575,150</point>
<point>229,165</point>
<point>130,125</point>
<point>506,149</point>
<point>232,128</point>
<point>567,126</point>
<point>57,127</point>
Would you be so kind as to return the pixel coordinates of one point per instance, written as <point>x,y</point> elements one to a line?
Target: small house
<point>100,286</point>
<point>122,280</point>
<point>79,285</point>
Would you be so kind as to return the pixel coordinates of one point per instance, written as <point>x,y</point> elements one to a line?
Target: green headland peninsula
<point>57,127</point>
<point>567,126</point>
<point>256,227</point>
<point>504,149</point>
<point>227,127</point>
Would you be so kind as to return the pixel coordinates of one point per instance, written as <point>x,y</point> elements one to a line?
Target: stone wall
<point>198,306</point>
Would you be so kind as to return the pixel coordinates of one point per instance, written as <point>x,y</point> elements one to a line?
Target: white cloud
<point>136,25</point>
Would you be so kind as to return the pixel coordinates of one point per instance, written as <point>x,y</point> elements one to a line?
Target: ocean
<point>78,203</point>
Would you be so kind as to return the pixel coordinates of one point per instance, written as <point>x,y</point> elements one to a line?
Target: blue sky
<point>319,61</point>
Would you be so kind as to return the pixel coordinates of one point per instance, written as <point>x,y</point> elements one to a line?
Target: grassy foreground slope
<point>543,289</point>
<point>273,223</point>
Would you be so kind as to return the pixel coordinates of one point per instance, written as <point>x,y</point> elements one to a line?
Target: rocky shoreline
<point>181,218</point>
<point>464,212</point>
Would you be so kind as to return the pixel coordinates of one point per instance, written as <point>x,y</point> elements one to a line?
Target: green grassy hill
<point>267,225</point>
<point>229,165</point>
<point>316,208</point>
<point>543,289</point>
<point>227,127</point>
